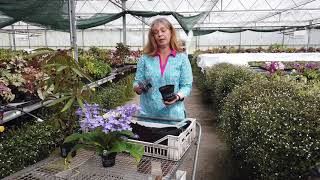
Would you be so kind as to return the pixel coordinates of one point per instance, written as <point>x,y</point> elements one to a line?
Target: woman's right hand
<point>137,89</point>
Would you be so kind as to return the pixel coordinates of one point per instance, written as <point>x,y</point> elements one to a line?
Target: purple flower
<point>311,66</point>
<point>79,112</point>
<point>273,66</point>
<point>118,119</point>
<point>136,136</point>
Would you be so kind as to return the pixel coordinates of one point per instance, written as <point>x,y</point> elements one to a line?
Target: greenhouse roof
<point>216,14</point>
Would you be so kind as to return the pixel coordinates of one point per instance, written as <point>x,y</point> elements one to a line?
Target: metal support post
<point>282,43</point>
<point>10,41</point>
<point>120,30</point>
<point>124,23</point>
<point>240,40</point>
<point>29,46</point>
<point>14,38</point>
<point>73,30</point>
<point>45,37</point>
<point>143,31</point>
<point>198,42</point>
<point>82,34</point>
<point>309,34</point>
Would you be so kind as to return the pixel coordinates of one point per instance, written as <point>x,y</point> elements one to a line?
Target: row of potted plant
<point>122,55</point>
<point>25,77</point>
<point>300,70</point>
<point>276,48</point>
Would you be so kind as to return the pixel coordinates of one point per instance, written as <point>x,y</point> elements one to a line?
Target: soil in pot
<point>167,92</point>
<point>108,160</point>
<point>65,148</point>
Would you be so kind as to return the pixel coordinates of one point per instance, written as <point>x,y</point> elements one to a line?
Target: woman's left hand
<point>171,102</point>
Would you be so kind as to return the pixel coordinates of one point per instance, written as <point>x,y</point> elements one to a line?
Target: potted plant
<point>107,132</point>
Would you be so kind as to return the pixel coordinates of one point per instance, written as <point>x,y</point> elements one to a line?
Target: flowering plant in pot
<point>107,131</point>
<point>274,69</point>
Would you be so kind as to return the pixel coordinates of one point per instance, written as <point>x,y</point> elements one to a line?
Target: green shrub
<point>222,78</point>
<point>27,145</point>
<point>115,94</point>
<point>273,127</point>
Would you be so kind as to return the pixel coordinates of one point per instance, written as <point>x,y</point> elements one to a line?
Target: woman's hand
<point>137,89</point>
<point>173,101</point>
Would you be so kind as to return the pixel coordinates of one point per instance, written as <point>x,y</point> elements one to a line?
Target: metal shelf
<point>112,76</point>
<point>9,115</point>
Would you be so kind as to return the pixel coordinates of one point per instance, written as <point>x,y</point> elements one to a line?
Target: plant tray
<point>177,145</point>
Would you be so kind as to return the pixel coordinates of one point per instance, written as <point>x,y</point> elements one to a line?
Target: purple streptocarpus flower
<point>113,120</point>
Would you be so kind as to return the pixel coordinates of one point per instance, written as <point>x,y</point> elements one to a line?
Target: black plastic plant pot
<point>109,160</point>
<point>65,148</point>
<point>167,92</point>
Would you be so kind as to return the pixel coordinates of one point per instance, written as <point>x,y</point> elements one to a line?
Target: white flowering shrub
<point>222,78</point>
<point>273,127</point>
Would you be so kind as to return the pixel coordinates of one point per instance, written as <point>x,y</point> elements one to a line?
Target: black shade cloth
<point>151,134</point>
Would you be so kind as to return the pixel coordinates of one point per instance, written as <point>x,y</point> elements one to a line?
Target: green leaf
<point>135,150</point>
<point>127,133</point>
<point>59,100</point>
<point>73,137</point>
<point>61,68</point>
<point>80,102</point>
<point>68,105</point>
<point>80,73</point>
<point>77,71</point>
<point>95,138</point>
<point>118,147</point>
<point>76,147</point>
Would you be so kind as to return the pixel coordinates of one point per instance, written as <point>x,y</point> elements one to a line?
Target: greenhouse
<point>160,89</point>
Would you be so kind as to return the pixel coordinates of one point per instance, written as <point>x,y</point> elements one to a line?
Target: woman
<point>163,63</point>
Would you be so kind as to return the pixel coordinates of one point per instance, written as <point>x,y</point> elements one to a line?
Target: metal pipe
<point>309,33</point>
<point>10,42</point>
<point>240,40</point>
<point>73,30</point>
<point>82,36</point>
<point>194,170</point>
<point>124,24</point>
<point>45,37</point>
<point>282,43</point>
<point>28,33</point>
<point>10,108</point>
<point>13,38</point>
<point>143,31</point>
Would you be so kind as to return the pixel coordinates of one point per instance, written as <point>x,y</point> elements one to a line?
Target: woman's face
<point>162,35</point>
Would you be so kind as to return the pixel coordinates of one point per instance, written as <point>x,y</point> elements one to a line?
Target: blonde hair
<point>152,47</point>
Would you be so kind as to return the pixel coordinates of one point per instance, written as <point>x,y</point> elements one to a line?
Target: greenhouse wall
<point>258,39</point>
<point>109,38</point>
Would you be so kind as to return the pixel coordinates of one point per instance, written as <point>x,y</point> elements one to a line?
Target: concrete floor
<point>214,161</point>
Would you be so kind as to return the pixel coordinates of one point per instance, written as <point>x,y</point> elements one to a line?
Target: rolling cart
<point>160,161</point>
